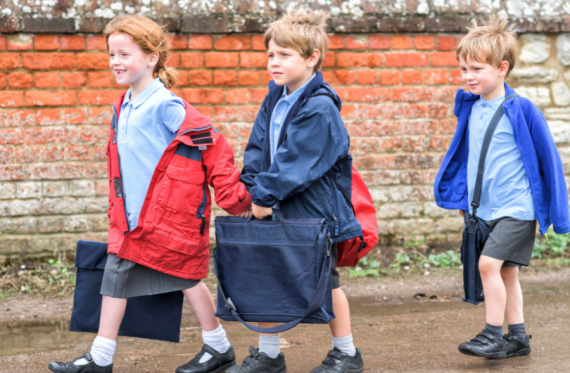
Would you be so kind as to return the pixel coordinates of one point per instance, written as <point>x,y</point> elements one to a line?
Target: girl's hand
<point>245,214</point>
<point>261,212</point>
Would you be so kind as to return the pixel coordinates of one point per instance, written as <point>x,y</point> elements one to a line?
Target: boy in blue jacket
<point>297,149</point>
<point>523,182</point>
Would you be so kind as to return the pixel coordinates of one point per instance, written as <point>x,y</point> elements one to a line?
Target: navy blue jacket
<point>313,141</point>
<point>538,152</point>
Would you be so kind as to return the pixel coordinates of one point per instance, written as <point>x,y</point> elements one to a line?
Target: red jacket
<point>172,235</point>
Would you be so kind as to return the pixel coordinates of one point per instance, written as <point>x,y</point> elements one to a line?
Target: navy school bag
<point>273,271</point>
<point>152,316</point>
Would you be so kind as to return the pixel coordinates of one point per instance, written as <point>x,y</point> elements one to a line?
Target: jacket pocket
<point>181,189</point>
<point>453,184</point>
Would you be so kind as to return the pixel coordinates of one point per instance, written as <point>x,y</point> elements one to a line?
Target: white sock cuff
<point>269,339</point>
<point>346,339</point>
<point>105,342</point>
<point>220,331</point>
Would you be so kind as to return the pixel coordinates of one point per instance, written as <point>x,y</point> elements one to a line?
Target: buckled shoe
<point>259,362</point>
<point>484,345</point>
<point>516,346</point>
<point>90,367</point>
<point>339,362</point>
<point>217,363</point>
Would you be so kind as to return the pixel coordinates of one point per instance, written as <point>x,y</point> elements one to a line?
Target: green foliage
<point>366,267</point>
<point>448,259</point>
<point>554,244</point>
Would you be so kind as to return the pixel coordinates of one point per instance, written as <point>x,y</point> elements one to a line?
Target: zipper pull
<point>336,228</point>
<point>203,225</point>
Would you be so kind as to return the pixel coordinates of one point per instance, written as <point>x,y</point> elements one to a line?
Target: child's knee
<point>488,266</point>
<point>510,274</point>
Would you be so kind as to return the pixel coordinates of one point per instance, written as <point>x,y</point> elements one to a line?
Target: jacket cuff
<point>561,229</point>
<point>264,200</point>
<point>241,206</point>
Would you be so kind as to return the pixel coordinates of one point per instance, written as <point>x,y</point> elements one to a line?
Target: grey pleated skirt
<point>125,279</point>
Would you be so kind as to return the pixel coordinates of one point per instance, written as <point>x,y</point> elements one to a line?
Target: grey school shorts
<point>511,240</point>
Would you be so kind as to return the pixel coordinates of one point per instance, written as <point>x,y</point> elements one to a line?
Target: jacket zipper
<point>200,214</point>
<point>196,130</point>
<point>336,223</point>
<point>115,138</point>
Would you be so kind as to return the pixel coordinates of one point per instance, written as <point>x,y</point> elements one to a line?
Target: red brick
<point>258,43</point>
<point>413,94</point>
<point>336,42</point>
<point>225,114</point>
<point>22,118</point>
<point>12,136</point>
<point>415,111</point>
<point>412,77</point>
<point>74,116</point>
<point>257,95</point>
<point>4,121</point>
<point>72,42</point>
<point>248,114</point>
<point>199,77</point>
<point>99,97</point>
<point>100,115</point>
<point>200,42</point>
<point>368,94</point>
<point>73,80</point>
<point>414,127</point>
<point>177,42</point>
<point>47,80</point>
<point>17,44</point>
<point>221,59</point>
<point>266,77</point>
<point>100,79</point>
<point>328,76</point>
<point>236,96</point>
<point>205,110</point>
<point>343,77</point>
<point>359,60</point>
<point>402,42</point>
<point>437,110</point>
<point>6,155</point>
<point>3,80</point>
<point>360,111</point>
<point>191,60</point>
<point>251,60</point>
<point>56,61</point>
<point>28,154</point>
<point>181,80</point>
<point>446,43</point>
<point>248,77</point>
<point>435,76</point>
<point>20,80</point>
<point>370,128</point>
<point>444,59</point>
<point>446,94</point>
<point>329,59</point>
<point>425,42</point>
<point>226,78</point>
<point>50,135</point>
<point>96,43</point>
<point>447,127</point>
<point>406,59</point>
<point>50,98</point>
<point>79,153</point>
<point>173,60</point>
<point>389,77</point>
<point>233,43</point>
<point>392,111</point>
<point>2,42</point>
<point>11,99</point>
<point>52,153</point>
<point>93,134</point>
<point>98,154</point>
<point>203,96</point>
<point>455,77</point>
<point>9,61</point>
<point>16,172</point>
<point>360,42</point>
<point>46,42</point>
<point>48,117</point>
<point>379,41</point>
<point>92,61</point>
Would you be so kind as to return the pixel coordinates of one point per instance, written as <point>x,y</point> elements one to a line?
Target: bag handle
<point>484,149</point>
<point>314,304</point>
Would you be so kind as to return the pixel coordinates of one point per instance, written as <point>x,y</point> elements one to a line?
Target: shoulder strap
<point>484,149</point>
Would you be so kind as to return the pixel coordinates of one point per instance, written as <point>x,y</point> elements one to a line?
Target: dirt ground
<point>395,331</point>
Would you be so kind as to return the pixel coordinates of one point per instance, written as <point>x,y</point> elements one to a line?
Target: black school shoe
<point>484,345</point>
<point>516,346</point>
<point>339,362</point>
<point>259,362</point>
<point>91,367</point>
<point>218,363</point>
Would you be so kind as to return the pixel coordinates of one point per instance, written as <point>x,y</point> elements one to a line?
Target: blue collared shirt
<point>146,127</point>
<point>506,189</point>
<point>280,113</point>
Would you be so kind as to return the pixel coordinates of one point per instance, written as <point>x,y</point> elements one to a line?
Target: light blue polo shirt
<point>280,113</point>
<point>506,189</point>
<point>146,126</point>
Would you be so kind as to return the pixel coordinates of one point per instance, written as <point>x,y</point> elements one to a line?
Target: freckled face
<point>482,78</point>
<point>127,60</point>
<point>288,67</point>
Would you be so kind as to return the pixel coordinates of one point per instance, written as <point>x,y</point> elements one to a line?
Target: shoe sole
<point>494,355</point>
<point>523,352</point>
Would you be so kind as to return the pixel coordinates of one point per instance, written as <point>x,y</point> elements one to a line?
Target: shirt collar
<point>144,95</point>
<point>494,103</point>
<point>295,95</point>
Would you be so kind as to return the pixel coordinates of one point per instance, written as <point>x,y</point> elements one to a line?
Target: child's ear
<point>314,58</point>
<point>153,59</point>
<point>503,69</point>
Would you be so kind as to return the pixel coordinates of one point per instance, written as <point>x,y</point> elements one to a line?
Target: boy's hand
<point>461,212</point>
<point>246,214</point>
<point>261,212</point>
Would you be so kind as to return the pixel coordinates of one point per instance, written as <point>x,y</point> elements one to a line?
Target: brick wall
<point>397,92</point>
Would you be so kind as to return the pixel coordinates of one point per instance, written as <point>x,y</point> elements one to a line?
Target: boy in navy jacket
<point>297,149</point>
<point>523,182</point>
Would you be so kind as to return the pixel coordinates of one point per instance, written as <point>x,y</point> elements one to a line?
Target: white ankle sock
<point>269,344</point>
<point>216,339</point>
<point>345,345</point>
<point>102,351</point>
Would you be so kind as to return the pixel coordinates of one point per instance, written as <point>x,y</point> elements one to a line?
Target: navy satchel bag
<point>152,316</point>
<point>273,271</point>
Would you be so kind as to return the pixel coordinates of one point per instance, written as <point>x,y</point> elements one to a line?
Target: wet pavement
<point>394,335</point>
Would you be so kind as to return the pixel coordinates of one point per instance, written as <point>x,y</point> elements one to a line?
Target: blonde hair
<point>150,37</point>
<point>492,43</point>
<point>301,31</point>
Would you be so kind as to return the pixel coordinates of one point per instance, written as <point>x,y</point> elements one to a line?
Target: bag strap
<point>314,304</point>
<point>484,149</point>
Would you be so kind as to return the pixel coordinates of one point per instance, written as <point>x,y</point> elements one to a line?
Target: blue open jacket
<point>313,140</point>
<point>538,152</point>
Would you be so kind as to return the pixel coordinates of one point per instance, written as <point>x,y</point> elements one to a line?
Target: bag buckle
<point>230,305</point>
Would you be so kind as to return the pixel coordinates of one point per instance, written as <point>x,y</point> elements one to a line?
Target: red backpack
<point>350,252</point>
